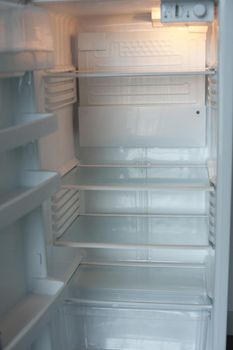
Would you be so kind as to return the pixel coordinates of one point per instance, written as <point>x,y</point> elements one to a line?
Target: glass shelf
<point>195,179</point>
<point>131,232</point>
<point>133,73</point>
<point>163,286</point>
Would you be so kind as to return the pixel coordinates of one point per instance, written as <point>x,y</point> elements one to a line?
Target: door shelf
<point>131,232</point>
<point>20,325</point>
<point>163,286</point>
<point>34,187</point>
<point>28,128</point>
<point>141,179</point>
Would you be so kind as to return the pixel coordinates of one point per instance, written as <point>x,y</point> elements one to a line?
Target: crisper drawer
<point>91,327</point>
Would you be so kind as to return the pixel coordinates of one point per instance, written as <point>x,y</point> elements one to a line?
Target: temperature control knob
<point>200,10</point>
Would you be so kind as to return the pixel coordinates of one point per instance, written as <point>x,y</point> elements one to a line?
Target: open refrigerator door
<point>116,132</point>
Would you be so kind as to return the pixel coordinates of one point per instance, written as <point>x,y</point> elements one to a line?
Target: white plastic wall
<point>108,104</point>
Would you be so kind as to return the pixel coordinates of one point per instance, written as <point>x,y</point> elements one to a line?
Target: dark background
<point>230,343</point>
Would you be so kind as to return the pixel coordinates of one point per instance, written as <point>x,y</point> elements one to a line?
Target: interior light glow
<point>155,14</point>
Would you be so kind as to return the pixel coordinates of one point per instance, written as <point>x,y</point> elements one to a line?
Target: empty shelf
<point>19,325</point>
<point>164,287</point>
<point>28,128</point>
<point>146,164</point>
<point>131,232</point>
<point>143,179</point>
<point>34,187</point>
<point>140,72</point>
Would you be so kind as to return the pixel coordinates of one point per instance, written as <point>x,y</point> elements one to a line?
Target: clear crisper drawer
<point>90,327</point>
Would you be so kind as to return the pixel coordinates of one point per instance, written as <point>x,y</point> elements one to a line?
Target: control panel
<point>187,11</point>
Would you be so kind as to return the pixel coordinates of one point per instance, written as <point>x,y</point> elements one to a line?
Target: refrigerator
<point>115,174</point>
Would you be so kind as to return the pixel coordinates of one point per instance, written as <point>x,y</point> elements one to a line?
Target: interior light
<point>155,15</point>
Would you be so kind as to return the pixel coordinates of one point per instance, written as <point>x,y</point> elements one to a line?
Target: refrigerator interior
<point>108,180</point>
